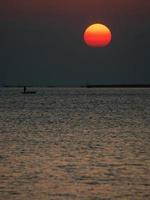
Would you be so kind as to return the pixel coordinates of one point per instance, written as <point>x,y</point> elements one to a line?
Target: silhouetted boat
<point>27,92</point>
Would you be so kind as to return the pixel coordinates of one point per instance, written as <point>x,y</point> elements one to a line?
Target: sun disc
<point>97,35</point>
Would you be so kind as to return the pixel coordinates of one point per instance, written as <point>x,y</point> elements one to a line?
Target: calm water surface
<point>66,144</point>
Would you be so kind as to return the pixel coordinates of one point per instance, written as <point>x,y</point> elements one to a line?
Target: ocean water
<point>75,143</point>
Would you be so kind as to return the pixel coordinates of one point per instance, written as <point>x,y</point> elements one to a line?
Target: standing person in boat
<point>24,89</point>
<point>28,92</point>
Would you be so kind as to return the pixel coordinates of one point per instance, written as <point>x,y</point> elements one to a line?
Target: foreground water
<point>64,144</point>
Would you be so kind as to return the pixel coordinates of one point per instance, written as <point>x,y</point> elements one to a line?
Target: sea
<point>75,144</point>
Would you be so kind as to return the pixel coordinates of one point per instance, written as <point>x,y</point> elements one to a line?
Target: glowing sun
<point>97,35</point>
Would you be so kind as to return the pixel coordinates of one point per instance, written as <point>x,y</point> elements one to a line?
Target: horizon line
<point>83,86</point>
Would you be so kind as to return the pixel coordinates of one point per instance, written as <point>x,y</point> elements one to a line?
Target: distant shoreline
<point>118,86</point>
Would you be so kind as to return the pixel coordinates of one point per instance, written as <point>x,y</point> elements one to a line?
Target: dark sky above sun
<point>41,42</point>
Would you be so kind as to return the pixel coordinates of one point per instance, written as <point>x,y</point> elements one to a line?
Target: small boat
<point>27,92</point>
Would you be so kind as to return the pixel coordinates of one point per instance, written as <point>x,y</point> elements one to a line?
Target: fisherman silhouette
<point>25,89</point>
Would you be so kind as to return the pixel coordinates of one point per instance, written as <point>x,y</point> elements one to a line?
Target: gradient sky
<point>41,42</point>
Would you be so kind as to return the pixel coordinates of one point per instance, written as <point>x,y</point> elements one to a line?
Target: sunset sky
<point>41,42</point>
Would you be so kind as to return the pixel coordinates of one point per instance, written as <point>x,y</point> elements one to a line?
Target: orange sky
<point>36,29</point>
